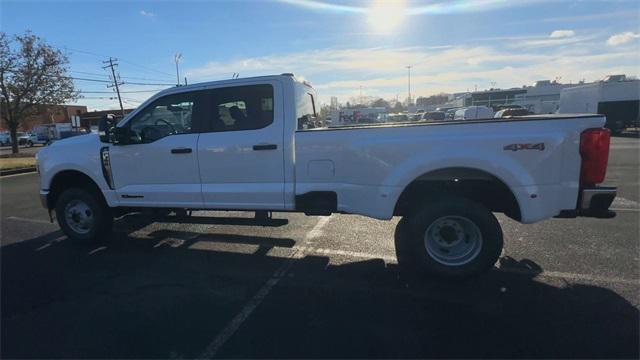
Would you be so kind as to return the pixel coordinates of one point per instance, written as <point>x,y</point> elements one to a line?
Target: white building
<point>541,98</point>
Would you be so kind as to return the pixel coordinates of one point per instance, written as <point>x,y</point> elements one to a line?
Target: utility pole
<point>116,79</point>
<point>409,84</point>
<point>360,101</point>
<point>177,58</point>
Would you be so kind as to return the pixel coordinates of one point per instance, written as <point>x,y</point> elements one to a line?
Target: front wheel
<point>453,237</point>
<point>83,215</point>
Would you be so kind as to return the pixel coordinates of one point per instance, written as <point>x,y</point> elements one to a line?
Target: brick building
<point>48,114</point>
<point>92,118</point>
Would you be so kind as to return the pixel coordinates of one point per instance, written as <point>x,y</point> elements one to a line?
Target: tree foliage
<point>381,103</point>
<point>32,74</point>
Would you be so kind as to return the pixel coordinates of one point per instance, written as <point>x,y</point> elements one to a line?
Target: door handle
<point>181,151</point>
<point>265,147</point>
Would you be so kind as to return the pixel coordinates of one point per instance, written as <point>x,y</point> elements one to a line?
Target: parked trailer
<point>616,97</point>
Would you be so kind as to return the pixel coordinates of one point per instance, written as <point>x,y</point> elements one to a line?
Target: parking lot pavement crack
<point>230,329</point>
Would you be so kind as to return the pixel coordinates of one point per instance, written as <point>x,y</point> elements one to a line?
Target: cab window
<point>240,108</point>
<point>169,115</point>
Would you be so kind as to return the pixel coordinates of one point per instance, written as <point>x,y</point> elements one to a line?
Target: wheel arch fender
<point>505,170</point>
<point>67,177</point>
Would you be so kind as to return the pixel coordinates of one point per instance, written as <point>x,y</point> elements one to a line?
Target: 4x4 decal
<point>516,147</point>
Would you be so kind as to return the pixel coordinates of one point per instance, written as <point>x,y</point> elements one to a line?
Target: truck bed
<point>368,166</point>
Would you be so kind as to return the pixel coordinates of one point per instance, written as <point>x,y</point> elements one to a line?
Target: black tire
<point>411,248</point>
<point>102,218</point>
<point>30,144</point>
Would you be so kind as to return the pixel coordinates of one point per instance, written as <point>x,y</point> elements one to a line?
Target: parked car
<point>445,181</point>
<point>30,139</point>
<point>512,112</point>
<point>398,118</point>
<point>450,113</point>
<point>5,139</point>
<point>433,116</point>
<point>415,117</point>
<point>21,138</point>
<point>473,112</point>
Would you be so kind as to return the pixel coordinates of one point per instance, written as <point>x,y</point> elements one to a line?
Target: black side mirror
<point>120,135</point>
<point>105,127</point>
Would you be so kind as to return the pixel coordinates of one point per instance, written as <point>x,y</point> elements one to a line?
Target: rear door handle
<point>181,151</point>
<point>265,147</point>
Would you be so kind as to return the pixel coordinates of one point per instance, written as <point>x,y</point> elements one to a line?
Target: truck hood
<point>78,139</point>
<point>72,148</point>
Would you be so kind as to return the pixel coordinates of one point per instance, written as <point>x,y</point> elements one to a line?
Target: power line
<point>88,73</point>
<point>67,77</point>
<point>121,92</point>
<point>122,77</point>
<point>137,83</point>
<point>145,67</point>
<point>141,78</point>
<point>97,80</point>
<point>102,56</point>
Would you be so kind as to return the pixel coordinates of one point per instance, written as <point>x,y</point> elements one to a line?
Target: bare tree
<point>33,74</point>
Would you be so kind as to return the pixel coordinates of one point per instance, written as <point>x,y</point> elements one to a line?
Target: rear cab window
<point>306,108</point>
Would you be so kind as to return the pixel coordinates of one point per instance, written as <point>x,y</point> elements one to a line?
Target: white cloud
<point>147,13</point>
<point>622,38</point>
<point>562,33</point>
<point>434,8</point>
<point>381,70</point>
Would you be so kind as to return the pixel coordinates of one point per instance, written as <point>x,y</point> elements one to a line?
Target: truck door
<point>240,150</point>
<point>158,164</point>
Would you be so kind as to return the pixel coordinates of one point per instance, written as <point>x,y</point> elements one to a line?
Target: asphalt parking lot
<point>218,285</point>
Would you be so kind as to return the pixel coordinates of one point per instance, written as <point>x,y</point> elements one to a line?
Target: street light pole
<point>409,84</point>
<point>177,58</point>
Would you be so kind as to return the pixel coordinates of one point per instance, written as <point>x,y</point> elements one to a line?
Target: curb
<point>17,171</point>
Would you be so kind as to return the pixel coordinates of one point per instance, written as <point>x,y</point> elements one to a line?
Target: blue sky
<point>339,46</point>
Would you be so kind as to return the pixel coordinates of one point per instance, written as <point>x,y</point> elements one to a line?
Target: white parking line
<point>624,203</point>
<point>228,331</point>
<point>624,210</point>
<point>351,254</point>
<point>573,276</point>
<point>36,221</point>
<point>15,175</point>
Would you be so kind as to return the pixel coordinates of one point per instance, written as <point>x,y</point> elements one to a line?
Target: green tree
<point>324,112</point>
<point>397,108</point>
<point>32,74</point>
<point>381,103</point>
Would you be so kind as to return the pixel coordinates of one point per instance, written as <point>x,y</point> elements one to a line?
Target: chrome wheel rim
<point>453,240</point>
<point>79,216</point>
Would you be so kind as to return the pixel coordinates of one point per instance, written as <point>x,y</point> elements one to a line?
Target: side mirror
<point>120,135</point>
<point>105,126</point>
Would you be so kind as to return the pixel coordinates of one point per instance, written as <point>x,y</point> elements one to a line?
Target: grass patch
<point>17,163</point>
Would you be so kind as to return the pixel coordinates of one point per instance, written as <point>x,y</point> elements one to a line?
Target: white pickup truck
<point>254,144</point>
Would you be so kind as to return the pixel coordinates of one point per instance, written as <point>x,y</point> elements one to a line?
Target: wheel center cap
<point>448,234</point>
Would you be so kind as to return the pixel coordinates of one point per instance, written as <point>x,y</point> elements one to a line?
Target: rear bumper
<point>593,202</point>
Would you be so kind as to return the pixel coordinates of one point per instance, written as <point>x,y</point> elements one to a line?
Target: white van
<point>473,112</point>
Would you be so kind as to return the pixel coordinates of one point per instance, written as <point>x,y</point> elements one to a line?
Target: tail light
<point>594,149</point>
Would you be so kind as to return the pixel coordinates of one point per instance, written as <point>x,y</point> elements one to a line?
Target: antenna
<point>177,57</point>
